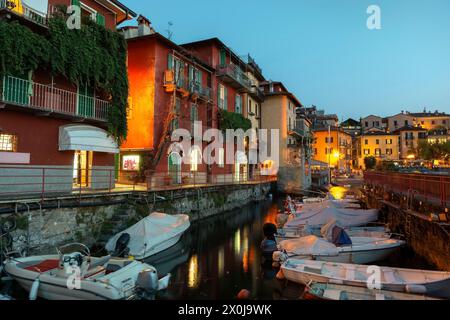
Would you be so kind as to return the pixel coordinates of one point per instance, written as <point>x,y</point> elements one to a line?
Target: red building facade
<point>53,133</point>
<point>172,87</point>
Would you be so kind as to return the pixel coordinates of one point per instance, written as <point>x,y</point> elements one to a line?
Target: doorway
<point>82,172</point>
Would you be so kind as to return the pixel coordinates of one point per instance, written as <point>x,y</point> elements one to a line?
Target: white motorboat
<point>321,216</point>
<point>151,235</point>
<point>430,283</point>
<point>76,275</point>
<point>363,250</point>
<point>5,297</point>
<point>303,231</point>
<point>328,291</point>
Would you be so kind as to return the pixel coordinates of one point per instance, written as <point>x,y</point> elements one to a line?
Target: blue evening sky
<point>323,51</point>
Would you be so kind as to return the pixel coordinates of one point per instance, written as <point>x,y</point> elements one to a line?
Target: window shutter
<point>191,75</point>
<point>225,105</point>
<point>101,19</point>
<point>199,78</point>
<point>169,62</point>
<point>76,3</point>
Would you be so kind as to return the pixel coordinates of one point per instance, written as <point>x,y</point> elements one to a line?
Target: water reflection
<point>338,192</point>
<point>225,257</point>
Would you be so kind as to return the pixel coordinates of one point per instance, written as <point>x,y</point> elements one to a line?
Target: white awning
<point>88,138</point>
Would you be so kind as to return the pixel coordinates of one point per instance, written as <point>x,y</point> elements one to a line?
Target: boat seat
<point>332,294</point>
<point>95,272</point>
<point>102,262</point>
<point>380,297</point>
<point>44,266</point>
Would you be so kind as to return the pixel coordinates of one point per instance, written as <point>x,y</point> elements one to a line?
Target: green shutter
<point>218,96</point>
<point>169,62</point>
<point>199,78</point>
<point>101,20</point>
<point>225,106</point>
<point>85,101</point>
<point>223,57</point>
<point>191,77</point>
<point>76,3</point>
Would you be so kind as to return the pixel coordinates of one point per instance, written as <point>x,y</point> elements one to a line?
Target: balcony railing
<point>29,94</point>
<point>23,10</point>
<point>203,92</point>
<point>257,93</point>
<point>233,72</point>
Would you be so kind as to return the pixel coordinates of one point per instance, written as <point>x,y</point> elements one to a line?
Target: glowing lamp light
<point>411,157</point>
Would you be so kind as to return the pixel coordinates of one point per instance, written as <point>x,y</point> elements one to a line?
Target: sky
<point>323,51</point>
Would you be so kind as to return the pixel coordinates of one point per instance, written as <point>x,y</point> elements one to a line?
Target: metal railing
<point>25,11</point>
<point>257,92</point>
<point>236,73</point>
<point>35,182</point>
<point>203,92</point>
<point>48,98</point>
<point>434,188</point>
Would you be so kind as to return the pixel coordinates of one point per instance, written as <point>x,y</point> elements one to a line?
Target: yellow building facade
<point>333,147</point>
<point>380,145</point>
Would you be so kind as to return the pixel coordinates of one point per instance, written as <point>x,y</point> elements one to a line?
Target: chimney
<point>144,26</point>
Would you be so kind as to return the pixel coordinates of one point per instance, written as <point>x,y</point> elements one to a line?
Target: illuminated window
<point>377,152</point>
<point>367,152</point>
<point>130,163</point>
<point>389,151</point>
<point>8,142</point>
<point>221,157</point>
<point>196,158</point>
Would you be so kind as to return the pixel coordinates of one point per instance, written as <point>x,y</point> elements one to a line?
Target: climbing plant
<point>92,55</point>
<point>232,120</point>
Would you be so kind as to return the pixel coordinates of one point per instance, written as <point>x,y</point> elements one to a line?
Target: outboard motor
<point>269,244</point>
<point>121,249</point>
<point>147,283</point>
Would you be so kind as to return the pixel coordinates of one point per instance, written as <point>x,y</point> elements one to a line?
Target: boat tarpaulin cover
<point>151,231</point>
<point>340,237</point>
<point>343,217</point>
<point>310,245</point>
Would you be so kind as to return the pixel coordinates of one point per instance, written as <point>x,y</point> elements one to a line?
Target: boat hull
<point>439,289</point>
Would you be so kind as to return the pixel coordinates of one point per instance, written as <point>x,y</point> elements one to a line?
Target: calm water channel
<point>220,256</point>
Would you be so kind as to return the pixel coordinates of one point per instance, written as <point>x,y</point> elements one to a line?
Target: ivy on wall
<point>232,120</point>
<point>92,55</point>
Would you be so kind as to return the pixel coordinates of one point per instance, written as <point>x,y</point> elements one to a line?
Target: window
<point>315,151</point>
<point>389,151</point>
<point>376,124</point>
<point>406,123</point>
<point>377,141</point>
<point>366,142</point>
<point>250,106</point>
<point>367,124</point>
<point>8,142</point>
<point>329,140</point>
<point>328,150</point>
<point>378,151</point>
<point>395,123</point>
<point>388,141</point>
<point>222,92</point>
<point>238,104</point>
<point>257,110</point>
<point>366,152</point>
<point>422,122</point>
<point>194,116</point>
<point>196,159</point>
<point>175,122</point>
<point>195,78</point>
<point>221,163</point>
<point>433,122</point>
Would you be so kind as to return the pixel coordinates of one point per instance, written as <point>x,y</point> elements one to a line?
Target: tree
<point>434,151</point>
<point>370,162</point>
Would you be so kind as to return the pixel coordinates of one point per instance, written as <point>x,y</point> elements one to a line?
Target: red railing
<point>431,187</point>
<point>20,182</point>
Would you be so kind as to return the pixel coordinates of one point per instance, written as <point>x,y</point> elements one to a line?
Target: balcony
<point>22,10</point>
<point>38,97</point>
<point>234,76</point>
<point>204,93</point>
<point>257,93</point>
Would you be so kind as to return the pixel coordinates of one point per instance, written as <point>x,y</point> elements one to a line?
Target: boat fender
<point>147,281</point>
<point>280,275</point>
<point>416,288</point>
<point>279,256</point>
<point>34,289</point>
<point>163,283</point>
